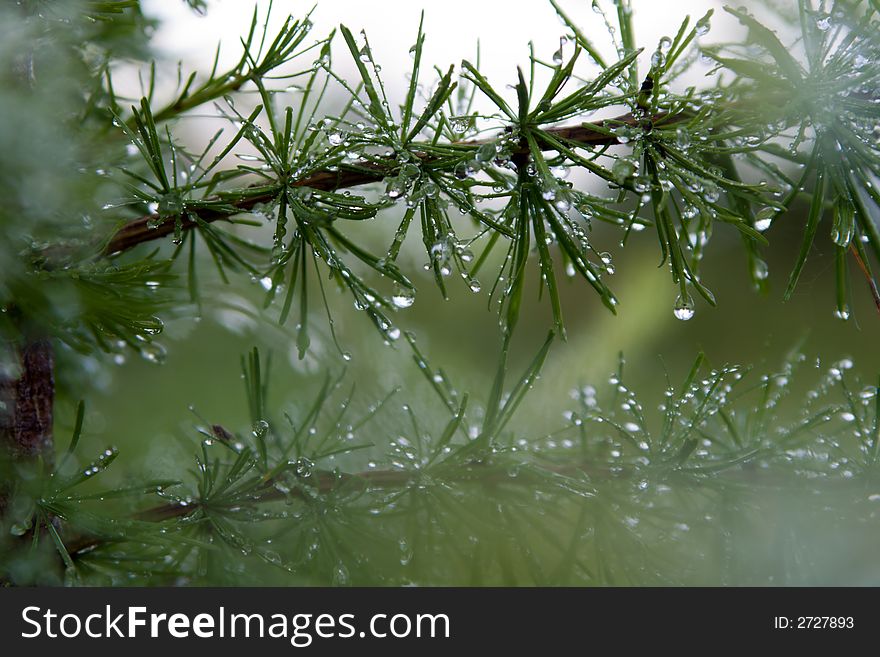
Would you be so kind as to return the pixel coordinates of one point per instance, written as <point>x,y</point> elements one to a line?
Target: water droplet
<point>764,218</point>
<point>153,352</point>
<point>20,528</point>
<point>460,123</point>
<point>340,575</point>
<point>335,138</point>
<point>260,429</point>
<point>824,23</point>
<point>403,297</point>
<point>486,152</point>
<point>760,270</point>
<point>395,188</point>
<point>557,56</point>
<point>303,467</point>
<point>682,138</point>
<point>406,552</point>
<point>703,25</point>
<point>658,59</point>
<point>711,192</point>
<point>170,204</point>
<point>622,169</point>
<point>683,308</point>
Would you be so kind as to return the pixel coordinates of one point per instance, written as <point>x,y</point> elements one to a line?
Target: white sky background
<point>453,27</point>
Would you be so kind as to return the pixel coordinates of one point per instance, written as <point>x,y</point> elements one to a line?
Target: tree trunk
<point>27,396</point>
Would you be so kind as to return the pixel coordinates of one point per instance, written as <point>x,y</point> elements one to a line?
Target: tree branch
<point>152,227</point>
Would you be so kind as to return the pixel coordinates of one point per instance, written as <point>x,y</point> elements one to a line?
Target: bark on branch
<point>26,400</point>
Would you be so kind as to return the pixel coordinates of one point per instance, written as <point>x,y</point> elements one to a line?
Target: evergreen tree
<point>112,220</point>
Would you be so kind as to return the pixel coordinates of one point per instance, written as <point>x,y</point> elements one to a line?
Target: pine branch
<point>152,227</point>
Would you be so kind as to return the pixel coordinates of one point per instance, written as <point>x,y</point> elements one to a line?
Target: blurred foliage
<point>618,494</point>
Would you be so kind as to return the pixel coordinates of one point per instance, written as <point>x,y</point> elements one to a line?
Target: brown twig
<point>868,277</point>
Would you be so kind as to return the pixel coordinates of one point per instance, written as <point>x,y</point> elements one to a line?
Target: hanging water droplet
<point>153,352</point>
<point>682,138</point>
<point>460,123</point>
<point>364,54</point>
<point>403,297</point>
<point>658,59</point>
<point>622,169</point>
<point>303,467</point>
<point>486,152</point>
<point>683,308</point>
<point>260,429</point>
<point>760,270</point>
<point>464,252</point>
<point>406,552</point>
<point>711,192</point>
<point>395,189</point>
<point>410,171</point>
<point>703,25</point>
<point>764,218</point>
<point>340,575</point>
<point>171,204</point>
<point>557,56</point>
<point>303,340</point>
<point>843,229</point>
<point>842,313</point>
<point>335,138</point>
<point>20,528</point>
